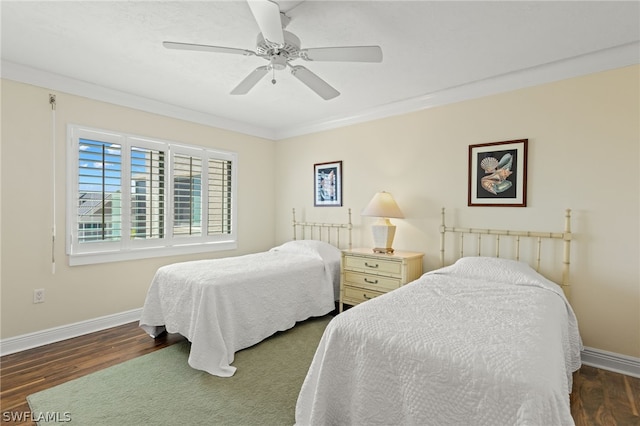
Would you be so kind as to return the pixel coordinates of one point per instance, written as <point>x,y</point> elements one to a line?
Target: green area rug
<point>161,389</point>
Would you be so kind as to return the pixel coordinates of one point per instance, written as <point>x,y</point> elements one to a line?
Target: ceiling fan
<point>280,48</point>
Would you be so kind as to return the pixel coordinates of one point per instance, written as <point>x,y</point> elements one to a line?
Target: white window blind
<point>147,193</point>
<point>187,195</point>
<point>130,197</point>
<point>219,207</point>
<point>99,210</point>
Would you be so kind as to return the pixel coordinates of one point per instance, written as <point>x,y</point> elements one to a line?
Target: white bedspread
<point>482,342</point>
<point>224,305</point>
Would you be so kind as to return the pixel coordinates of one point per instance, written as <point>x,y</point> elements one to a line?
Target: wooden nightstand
<point>365,275</point>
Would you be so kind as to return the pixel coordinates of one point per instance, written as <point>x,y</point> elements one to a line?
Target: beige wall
<point>584,137</point>
<point>79,293</point>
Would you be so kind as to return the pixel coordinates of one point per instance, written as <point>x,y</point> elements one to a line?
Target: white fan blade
<point>267,15</point>
<point>206,48</point>
<point>343,54</point>
<point>250,81</point>
<point>314,82</point>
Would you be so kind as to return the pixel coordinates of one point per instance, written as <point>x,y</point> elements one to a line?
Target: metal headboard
<point>327,232</point>
<point>516,236</point>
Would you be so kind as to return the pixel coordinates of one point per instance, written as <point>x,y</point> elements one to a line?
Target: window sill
<point>78,259</point>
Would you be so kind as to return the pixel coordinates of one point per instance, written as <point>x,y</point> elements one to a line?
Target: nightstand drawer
<point>357,295</point>
<point>372,282</point>
<point>372,265</point>
<point>365,274</point>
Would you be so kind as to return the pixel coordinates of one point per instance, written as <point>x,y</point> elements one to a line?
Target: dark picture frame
<point>498,174</point>
<point>327,183</point>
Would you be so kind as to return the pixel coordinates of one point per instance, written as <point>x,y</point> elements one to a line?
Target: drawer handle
<point>370,266</point>
<point>366,297</point>
<point>369,281</point>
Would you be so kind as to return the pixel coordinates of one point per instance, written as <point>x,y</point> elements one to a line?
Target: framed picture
<point>498,174</point>
<point>327,181</point>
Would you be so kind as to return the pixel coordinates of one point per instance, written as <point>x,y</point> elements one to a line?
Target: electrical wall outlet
<point>38,295</point>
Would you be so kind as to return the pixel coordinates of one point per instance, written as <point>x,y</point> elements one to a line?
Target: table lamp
<point>383,206</point>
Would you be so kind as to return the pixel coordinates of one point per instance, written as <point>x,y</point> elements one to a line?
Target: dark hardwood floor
<point>33,370</point>
<point>599,397</point>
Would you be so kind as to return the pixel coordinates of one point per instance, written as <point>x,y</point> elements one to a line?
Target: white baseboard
<point>611,361</point>
<point>56,334</point>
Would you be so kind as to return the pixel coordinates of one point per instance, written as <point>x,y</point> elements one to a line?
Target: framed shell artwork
<point>498,174</point>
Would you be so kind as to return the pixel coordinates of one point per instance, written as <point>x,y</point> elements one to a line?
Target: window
<point>130,197</point>
<point>99,188</point>
<point>147,193</point>
<point>187,191</point>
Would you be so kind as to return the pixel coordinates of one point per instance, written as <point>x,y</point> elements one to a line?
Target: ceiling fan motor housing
<point>290,49</point>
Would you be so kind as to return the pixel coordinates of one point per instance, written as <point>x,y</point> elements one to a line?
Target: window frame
<point>128,248</point>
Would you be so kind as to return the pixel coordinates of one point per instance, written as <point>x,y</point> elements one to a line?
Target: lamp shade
<point>383,205</point>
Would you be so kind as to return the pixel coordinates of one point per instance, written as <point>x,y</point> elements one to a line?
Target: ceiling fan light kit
<point>280,47</point>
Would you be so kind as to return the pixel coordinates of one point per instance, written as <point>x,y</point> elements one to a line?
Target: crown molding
<point>602,60</point>
<point>41,78</point>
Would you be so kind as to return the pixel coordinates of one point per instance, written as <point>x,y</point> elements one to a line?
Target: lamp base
<point>383,250</point>
<point>383,233</point>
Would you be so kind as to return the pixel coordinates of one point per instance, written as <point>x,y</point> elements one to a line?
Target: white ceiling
<point>434,52</point>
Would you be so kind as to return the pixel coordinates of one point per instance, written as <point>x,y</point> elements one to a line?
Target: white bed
<point>485,341</point>
<point>224,305</point>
